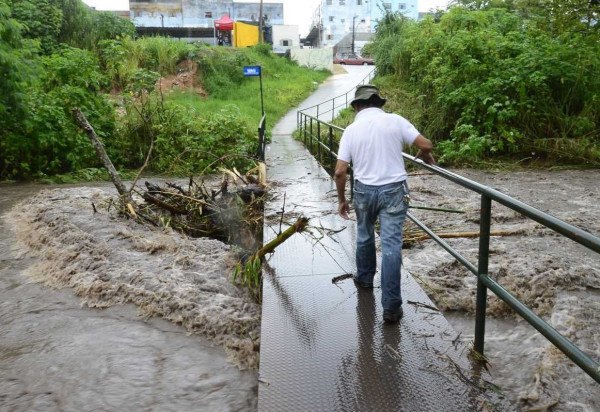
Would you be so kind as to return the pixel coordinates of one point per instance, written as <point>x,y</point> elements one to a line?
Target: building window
<point>330,37</point>
<point>285,43</point>
<point>359,2</point>
<point>363,21</point>
<point>343,20</point>
<point>330,18</point>
<point>402,6</point>
<point>208,14</point>
<point>387,6</point>
<point>329,2</point>
<point>342,2</point>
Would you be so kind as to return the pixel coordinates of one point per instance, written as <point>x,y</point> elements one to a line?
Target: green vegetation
<point>59,54</point>
<point>284,84</point>
<point>498,79</point>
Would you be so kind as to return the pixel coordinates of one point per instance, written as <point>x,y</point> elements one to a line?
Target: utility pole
<point>260,23</point>
<point>353,19</point>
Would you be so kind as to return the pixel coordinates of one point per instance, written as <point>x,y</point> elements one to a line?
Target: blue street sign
<point>250,71</point>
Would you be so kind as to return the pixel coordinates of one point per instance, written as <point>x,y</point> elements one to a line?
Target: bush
<point>48,141</point>
<point>185,142</point>
<point>221,69</point>
<point>487,82</point>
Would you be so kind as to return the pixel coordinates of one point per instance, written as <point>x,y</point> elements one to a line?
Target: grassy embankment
<point>285,85</point>
<point>188,105</point>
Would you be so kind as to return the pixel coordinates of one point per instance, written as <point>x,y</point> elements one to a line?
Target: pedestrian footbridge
<point>324,345</point>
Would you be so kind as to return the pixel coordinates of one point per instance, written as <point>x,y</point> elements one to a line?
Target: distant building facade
<point>337,18</point>
<point>285,37</point>
<point>199,13</point>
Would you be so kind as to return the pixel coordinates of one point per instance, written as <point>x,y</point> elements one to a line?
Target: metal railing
<point>311,129</point>
<point>341,101</point>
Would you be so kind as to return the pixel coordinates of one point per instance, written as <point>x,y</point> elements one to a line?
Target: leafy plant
<point>484,81</point>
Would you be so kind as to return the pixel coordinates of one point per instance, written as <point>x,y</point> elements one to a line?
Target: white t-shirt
<point>373,144</point>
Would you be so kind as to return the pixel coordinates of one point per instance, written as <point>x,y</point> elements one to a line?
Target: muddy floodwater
<point>71,337</point>
<point>101,313</point>
<point>557,278</point>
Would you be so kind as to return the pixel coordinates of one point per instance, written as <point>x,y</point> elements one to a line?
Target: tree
<point>108,26</point>
<point>41,20</point>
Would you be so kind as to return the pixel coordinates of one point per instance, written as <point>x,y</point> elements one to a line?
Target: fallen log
<point>298,226</point>
<point>99,147</point>
<point>164,205</point>
<point>454,235</point>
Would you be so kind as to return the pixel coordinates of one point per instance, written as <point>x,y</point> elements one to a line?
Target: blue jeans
<point>389,204</point>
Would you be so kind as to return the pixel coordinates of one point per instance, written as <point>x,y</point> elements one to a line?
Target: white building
<point>285,37</point>
<point>199,13</point>
<point>340,17</point>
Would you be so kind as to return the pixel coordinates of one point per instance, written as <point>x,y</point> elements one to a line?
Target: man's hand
<point>343,209</point>
<point>426,157</point>
<point>341,171</point>
<point>425,146</point>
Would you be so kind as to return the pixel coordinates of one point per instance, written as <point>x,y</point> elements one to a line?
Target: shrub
<point>486,82</point>
<point>185,141</point>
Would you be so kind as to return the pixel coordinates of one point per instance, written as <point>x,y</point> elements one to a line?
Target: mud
<point>554,276</point>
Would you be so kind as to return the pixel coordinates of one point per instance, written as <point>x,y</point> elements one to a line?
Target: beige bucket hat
<point>365,92</point>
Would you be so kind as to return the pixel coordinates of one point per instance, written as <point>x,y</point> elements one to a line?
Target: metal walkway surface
<point>324,346</point>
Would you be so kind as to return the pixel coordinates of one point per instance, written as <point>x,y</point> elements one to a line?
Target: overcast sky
<point>294,11</point>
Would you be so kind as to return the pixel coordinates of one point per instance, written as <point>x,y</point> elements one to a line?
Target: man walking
<point>373,143</point>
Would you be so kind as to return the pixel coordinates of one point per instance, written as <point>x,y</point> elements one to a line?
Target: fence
<point>319,136</point>
<point>333,105</point>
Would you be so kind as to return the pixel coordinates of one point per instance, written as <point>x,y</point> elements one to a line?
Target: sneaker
<point>363,285</point>
<point>391,316</point>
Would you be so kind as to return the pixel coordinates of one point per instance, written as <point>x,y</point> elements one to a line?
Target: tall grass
<point>285,84</point>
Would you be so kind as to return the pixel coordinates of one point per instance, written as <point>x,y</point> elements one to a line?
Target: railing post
<point>319,141</point>
<point>318,110</point>
<point>482,269</point>
<point>311,134</point>
<point>333,109</point>
<point>304,128</point>
<point>331,158</point>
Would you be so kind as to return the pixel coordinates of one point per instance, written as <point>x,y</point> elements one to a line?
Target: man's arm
<point>425,147</point>
<point>341,171</point>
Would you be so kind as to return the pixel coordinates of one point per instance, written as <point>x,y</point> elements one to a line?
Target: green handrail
<point>484,282</point>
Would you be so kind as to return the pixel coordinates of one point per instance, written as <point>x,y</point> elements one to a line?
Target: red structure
<point>224,23</point>
<point>223,28</point>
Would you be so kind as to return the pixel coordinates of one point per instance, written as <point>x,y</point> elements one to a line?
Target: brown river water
<point>101,313</point>
<point>70,337</point>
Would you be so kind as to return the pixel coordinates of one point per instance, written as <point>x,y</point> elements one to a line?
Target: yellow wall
<point>244,35</point>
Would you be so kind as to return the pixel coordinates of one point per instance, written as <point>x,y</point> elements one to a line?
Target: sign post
<point>255,71</point>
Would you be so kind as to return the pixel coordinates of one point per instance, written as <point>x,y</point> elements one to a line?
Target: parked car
<point>353,59</point>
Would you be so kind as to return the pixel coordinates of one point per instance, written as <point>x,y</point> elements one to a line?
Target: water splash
<point>109,261</point>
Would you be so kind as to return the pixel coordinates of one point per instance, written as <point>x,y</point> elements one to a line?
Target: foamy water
<point>109,260</point>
